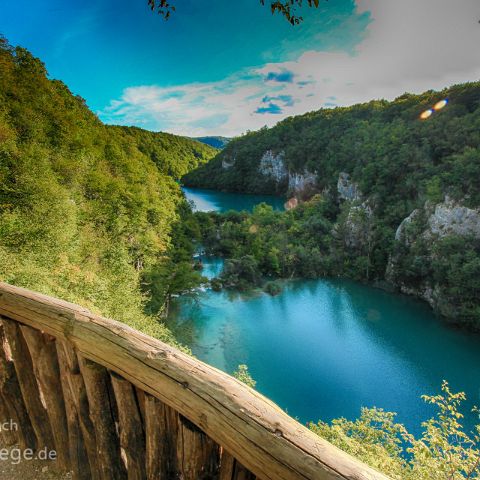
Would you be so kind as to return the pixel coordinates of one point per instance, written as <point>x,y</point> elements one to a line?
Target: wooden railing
<point>114,403</point>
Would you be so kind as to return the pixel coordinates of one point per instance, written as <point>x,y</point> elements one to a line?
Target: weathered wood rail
<point>117,404</point>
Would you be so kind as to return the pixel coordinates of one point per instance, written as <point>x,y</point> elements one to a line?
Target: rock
<point>348,190</point>
<point>273,166</point>
<point>430,224</point>
<point>402,230</point>
<point>226,164</point>
<point>302,183</point>
<point>357,225</point>
<point>297,184</point>
<point>450,217</point>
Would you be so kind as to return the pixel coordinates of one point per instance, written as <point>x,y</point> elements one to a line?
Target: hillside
<point>87,210</point>
<point>395,199</point>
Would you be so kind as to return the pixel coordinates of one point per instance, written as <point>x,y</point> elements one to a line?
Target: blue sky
<point>221,70</point>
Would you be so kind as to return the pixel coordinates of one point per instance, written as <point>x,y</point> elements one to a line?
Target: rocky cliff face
<point>302,184</point>
<point>347,189</point>
<point>297,184</point>
<point>450,218</point>
<point>443,219</point>
<point>355,225</point>
<point>417,236</point>
<point>273,165</point>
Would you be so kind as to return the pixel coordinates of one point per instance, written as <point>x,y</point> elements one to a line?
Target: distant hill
<point>215,142</point>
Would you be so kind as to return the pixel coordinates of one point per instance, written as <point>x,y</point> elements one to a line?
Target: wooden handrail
<point>244,423</point>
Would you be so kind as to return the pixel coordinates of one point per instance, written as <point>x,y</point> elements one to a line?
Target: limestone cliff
<point>417,248</point>
<point>347,189</point>
<point>296,184</point>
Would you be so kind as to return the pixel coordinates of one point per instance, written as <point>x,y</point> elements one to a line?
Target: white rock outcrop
<point>450,217</point>
<point>348,190</point>
<point>301,182</point>
<point>226,164</point>
<point>273,165</point>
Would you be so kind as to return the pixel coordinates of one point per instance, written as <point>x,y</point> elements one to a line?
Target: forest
<point>88,211</point>
<point>94,214</point>
<point>383,181</point>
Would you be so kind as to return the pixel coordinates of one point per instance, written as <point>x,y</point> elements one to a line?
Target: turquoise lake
<point>211,200</point>
<point>325,348</point>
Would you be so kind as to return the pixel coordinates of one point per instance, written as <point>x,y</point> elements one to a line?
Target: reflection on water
<point>324,348</point>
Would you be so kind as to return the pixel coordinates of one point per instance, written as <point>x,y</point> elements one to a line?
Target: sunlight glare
<point>441,104</point>
<point>426,114</point>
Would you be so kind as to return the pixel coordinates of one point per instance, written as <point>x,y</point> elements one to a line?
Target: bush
<point>444,451</point>
<point>273,288</point>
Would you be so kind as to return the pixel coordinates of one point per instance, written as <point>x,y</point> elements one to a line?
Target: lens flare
<point>441,104</point>
<point>426,114</point>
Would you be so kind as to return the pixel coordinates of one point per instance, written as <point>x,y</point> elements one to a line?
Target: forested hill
<point>393,198</point>
<point>173,155</point>
<point>374,142</point>
<point>86,210</point>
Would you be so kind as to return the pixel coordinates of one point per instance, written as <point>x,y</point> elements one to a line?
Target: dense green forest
<point>364,169</point>
<point>87,210</point>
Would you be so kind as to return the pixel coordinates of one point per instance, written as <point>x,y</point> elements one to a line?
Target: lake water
<point>212,200</point>
<point>325,348</point>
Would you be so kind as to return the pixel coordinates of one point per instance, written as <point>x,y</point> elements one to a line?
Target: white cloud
<point>411,45</point>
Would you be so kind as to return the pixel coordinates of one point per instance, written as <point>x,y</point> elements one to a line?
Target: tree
<point>445,451</point>
<point>287,8</point>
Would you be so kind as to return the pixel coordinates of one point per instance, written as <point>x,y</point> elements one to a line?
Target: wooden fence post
<point>68,357</point>
<point>198,455</point>
<point>28,385</point>
<point>12,397</point>
<point>45,366</point>
<point>96,380</point>
<point>132,435</point>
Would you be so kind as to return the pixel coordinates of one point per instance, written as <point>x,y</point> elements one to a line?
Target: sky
<point>222,67</point>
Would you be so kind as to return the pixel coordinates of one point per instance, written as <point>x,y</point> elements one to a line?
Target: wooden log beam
<point>132,435</point>
<point>79,459</point>
<point>161,428</point>
<point>241,473</point>
<point>257,432</point>
<point>198,455</point>
<point>96,378</point>
<point>227,466</point>
<point>12,396</point>
<point>28,385</point>
<point>47,372</point>
<point>68,356</point>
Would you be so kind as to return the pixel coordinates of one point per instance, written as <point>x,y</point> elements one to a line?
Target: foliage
<point>287,8</point>
<point>273,288</point>
<point>86,210</point>
<point>244,376</point>
<point>443,452</point>
<point>173,155</point>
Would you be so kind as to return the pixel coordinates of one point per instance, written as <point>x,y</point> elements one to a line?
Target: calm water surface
<point>212,200</point>
<point>325,348</point>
